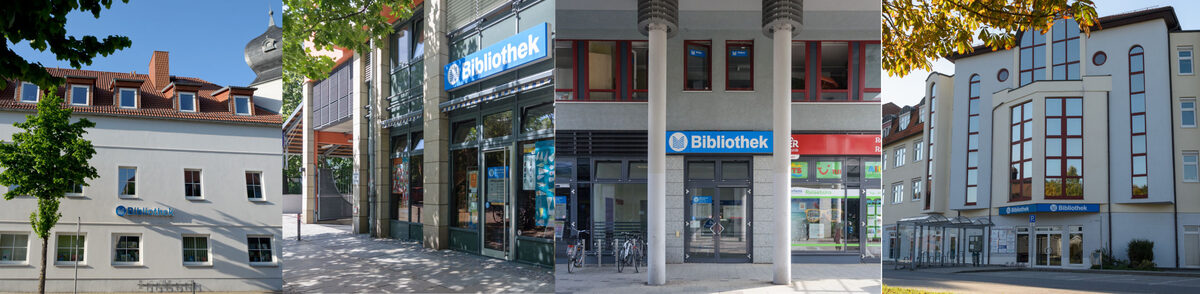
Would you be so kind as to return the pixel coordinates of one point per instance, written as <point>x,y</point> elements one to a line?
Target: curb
<point>1088,271</point>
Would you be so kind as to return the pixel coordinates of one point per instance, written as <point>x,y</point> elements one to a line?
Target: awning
<point>528,83</point>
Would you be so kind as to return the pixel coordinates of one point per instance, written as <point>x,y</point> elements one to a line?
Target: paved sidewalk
<point>330,259</point>
<point>1014,280</point>
<point>712,278</point>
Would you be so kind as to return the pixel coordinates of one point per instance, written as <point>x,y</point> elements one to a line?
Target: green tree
<point>46,161</point>
<point>42,24</point>
<point>916,32</point>
<point>327,24</point>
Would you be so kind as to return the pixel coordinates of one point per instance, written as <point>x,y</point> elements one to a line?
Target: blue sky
<point>909,89</point>
<point>205,38</point>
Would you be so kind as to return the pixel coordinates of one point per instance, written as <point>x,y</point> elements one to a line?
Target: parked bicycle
<point>575,251</point>
<point>631,252</point>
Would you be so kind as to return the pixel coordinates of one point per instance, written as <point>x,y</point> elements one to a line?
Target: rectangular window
<point>1137,120</point>
<point>898,192</point>
<point>834,79</point>
<point>871,74</point>
<point>697,64</point>
<point>640,61</point>
<point>1066,50</point>
<point>191,183</point>
<point>465,132</point>
<point>899,157</point>
<point>1185,60</point>
<point>1076,245</point>
<point>195,250</point>
<point>1064,148</point>
<point>498,125</point>
<point>904,120</point>
<point>259,249</point>
<point>69,249</point>
<point>799,71</point>
<point>241,105</point>
<point>1191,166</point>
<point>739,65</point>
<point>30,92</point>
<point>885,160</point>
<point>916,189</point>
<point>917,151</point>
<point>14,248</point>
<point>127,181</point>
<point>603,69</point>
<point>254,189</point>
<point>1191,246</point>
<point>538,119</point>
<point>128,97</point>
<point>1187,112</point>
<point>564,70</point>
<point>1033,57</point>
<point>128,249</point>
<point>187,102</point>
<point>972,193</point>
<point>1021,143</point>
<point>79,94</point>
<point>76,190</point>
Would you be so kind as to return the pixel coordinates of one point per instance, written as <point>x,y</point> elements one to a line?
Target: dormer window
<point>30,92</point>
<point>80,95</point>
<point>903,122</point>
<point>241,105</point>
<point>187,102</point>
<point>127,97</point>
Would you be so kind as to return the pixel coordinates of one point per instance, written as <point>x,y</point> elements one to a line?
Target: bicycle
<point>632,251</point>
<point>575,251</point>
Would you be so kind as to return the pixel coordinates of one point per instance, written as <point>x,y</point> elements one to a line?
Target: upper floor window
<point>739,65</point>
<point>917,151</point>
<point>697,65</point>
<point>127,97</point>
<point>904,120</point>
<point>601,70</point>
<point>899,157</point>
<point>127,181</point>
<point>1021,163</point>
<point>187,101</point>
<point>885,155</point>
<point>1137,119</point>
<point>1033,57</point>
<point>1191,165</point>
<point>1064,148</point>
<point>799,71</point>
<point>564,70</point>
<point>916,189</point>
<point>408,44</point>
<point>604,68</point>
<point>30,92</point>
<point>191,183</point>
<point>1185,59</point>
<point>871,75</point>
<point>241,105</point>
<point>254,190</point>
<point>834,75</point>
<point>80,94</point>
<point>1187,112</point>
<point>972,140</point>
<point>1066,50</point>
<point>898,192</point>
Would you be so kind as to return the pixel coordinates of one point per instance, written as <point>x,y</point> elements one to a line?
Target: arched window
<point>1137,121</point>
<point>973,140</point>
<point>1066,50</point>
<point>1033,57</point>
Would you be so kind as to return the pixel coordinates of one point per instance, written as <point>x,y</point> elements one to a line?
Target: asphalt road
<point>1038,282</point>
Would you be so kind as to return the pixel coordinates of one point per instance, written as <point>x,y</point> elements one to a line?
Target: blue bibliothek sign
<point>1049,207</point>
<point>144,211</point>
<point>679,142</point>
<point>523,48</point>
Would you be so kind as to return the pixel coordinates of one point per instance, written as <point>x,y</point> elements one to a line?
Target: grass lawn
<point>896,290</point>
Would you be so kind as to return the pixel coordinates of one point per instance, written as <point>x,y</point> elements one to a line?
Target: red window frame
<point>1063,136</point>
<point>803,86</point>
<point>580,73</point>
<point>574,71</point>
<point>1033,47</point>
<point>820,88</point>
<point>932,106</point>
<point>631,69</point>
<point>587,90</point>
<point>1066,63</point>
<point>972,95</point>
<point>729,54</point>
<point>708,61</point>
<point>862,71</point>
<point>1024,178</point>
<point>1133,116</point>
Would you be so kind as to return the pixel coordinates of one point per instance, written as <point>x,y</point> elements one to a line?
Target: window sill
<point>194,198</point>
<point>127,197</point>
<point>197,264</point>
<point>264,264</point>
<point>14,264</point>
<point>697,91</point>
<point>740,91</point>
<point>72,195</point>
<point>68,263</point>
<point>257,199</point>
<point>127,264</point>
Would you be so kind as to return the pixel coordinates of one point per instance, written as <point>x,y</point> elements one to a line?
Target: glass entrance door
<point>1049,247</point>
<point>497,215</point>
<point>718,225</point>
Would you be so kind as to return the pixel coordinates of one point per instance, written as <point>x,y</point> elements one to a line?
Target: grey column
<point>656,268</point>
<point>358,97</point>
<point>382,145</point>
<point>781,124</point>
<point>308,156</point>
<point>436,216</point>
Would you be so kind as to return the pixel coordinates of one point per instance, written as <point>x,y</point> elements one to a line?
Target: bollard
<point>298,226</point>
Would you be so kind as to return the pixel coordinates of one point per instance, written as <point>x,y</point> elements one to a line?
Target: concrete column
<point>436,216</point>
<point>656,268</point>
<point>382,147</point>
<point>358,98</point>
<point>781,124</point>
<point>308,158</point>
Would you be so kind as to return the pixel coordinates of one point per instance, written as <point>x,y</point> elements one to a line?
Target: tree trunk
<point>42,276</point>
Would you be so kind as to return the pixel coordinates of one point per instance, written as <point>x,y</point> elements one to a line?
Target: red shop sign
<point>835,144</point>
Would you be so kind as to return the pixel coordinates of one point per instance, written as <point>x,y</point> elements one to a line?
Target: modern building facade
<point>180,202</point>
<point>1063,146</point>
<point>450,125</point>
<point>719,68</point>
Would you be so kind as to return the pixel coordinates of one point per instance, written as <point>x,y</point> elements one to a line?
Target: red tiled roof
<point>154,103</point>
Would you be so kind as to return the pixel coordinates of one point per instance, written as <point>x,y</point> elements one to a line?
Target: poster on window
<point>799,169</point>
<point>529,168</point>
<point>543,152</point>
<point>829,170</point>
<point>400,176</point>
<point>874,169</point>
<point>496,179</point>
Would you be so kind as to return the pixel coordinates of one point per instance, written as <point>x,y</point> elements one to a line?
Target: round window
<point>1002,75</point>
<point>1099,58</point>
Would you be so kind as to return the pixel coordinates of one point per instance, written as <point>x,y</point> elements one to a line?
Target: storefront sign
<point>523,48</point>
<point>835,144</point>
<point>543,152</point>
<point>718,142</point>
<point>701,199</point>
<point>496,179</point>
<point>1049,207</point>
<point>144,211</point>
<point>799,169</point>
<point>829,170</point>
<point>802,192</point>
<point>874,169</point>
